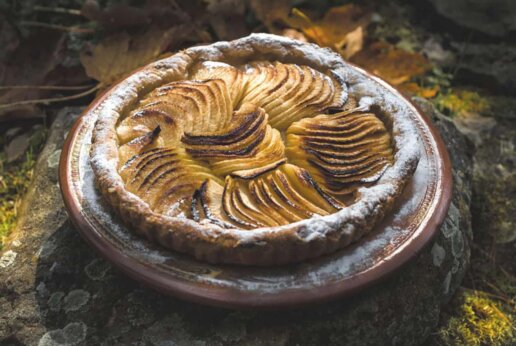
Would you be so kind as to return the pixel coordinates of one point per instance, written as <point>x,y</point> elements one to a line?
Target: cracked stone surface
<point>55,290</point>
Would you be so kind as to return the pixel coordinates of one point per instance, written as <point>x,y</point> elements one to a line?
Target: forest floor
<point>63,55</point>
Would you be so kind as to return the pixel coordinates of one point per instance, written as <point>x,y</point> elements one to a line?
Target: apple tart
<point>258,151</point>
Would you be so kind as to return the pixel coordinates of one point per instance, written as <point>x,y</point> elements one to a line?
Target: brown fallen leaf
<point>294,34</point>
<point>31,63</point>
<point>116,16</point>
<point>392,64</point>
<point>274,14</point>
<point>416,89</point>
<point>9,38</point>
<point>227,18</point>
<point>353,44</point>
<point>119,54</point>
<point>341,28</point>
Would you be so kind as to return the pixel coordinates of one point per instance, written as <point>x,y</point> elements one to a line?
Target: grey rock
<point>17,147</point>
<point>490,65</point>
<point>474,126</point>
<point>494,178</point>
<point>492,17</point>
<point>109,308</point>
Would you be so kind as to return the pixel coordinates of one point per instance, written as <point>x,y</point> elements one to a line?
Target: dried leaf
<point>354,43</point>
<point>120,15</point>
<point>115,16</point>
<point>294,34</point>
<point>119,54</point>
<point>32,63</point>
<point>9,38</point>
<point>416,89</point>
<point>334,28</point>
<point>224,7</point>
<point>274,14</point>
<point>227,18</point>
<point>391,63</point>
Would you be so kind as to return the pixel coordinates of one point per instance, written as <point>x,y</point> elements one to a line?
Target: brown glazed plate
<point>415,219</point>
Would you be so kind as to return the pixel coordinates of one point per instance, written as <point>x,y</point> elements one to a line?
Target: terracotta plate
<point>398,239</point>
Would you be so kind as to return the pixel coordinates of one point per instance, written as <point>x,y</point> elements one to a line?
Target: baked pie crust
<point>258,151</point>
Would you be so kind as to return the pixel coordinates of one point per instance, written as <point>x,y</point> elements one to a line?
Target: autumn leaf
<point>341,28</point>
<point>32,62</point>
<point>275,15</point>
<point>227,18</point>
<point>354,43</point>
<point>392,64</point>
<point>119,54</point>
<point>115,16</point>
<point>294,34</point>
<point>416,89</point>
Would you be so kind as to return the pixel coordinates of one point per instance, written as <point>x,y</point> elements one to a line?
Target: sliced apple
<point>249,144</point>
<point>240,208</point>
<point>297,195</point>
<point>247,131</point>
<point>146,141</point>
<point>303,183</point>
<point>252,173</point>
<point>166,179</point>
<point>265,203</point>
<point>196,106</point>
<point>233,213</point>
<point>270,150</point>
<point>232,77</point>
<point>290,92</point>
<point>342,151</point>
<point>210,197</point>
<point>277,197</point>
<point>146,120</point>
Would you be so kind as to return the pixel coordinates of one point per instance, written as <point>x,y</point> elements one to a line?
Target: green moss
<point>456,102</point>
<point>478,321</point>
<point>15,178</point>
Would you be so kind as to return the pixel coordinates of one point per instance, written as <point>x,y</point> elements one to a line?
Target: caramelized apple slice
<point>166,179</point>
<point>251,143</point>
<point>265,203</point>
<point>264,79</point>
<point>285,199</point>
<point>233,213</point>
<point>297,198</point>
<point>342,151</point>
<point>240,139</point>
<point>146,141</point>
<point>303,183</point>
<point>143,121</point>
<point>127,168</point>
<point>279,196</point>
<point>176,201</point>
<point>210,197</point>
<point>232,77</point>
<point>254,172</point>
<point>289,92</point>
<point>197,106</point>
<point>240,208</point>
<point>271,149</point>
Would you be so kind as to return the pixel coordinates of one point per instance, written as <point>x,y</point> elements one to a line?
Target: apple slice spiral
<point>247,147</point>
